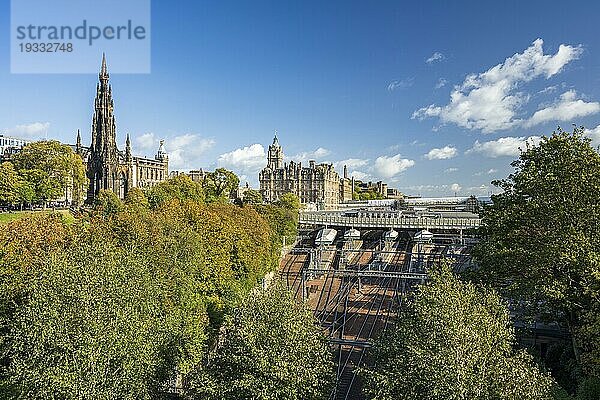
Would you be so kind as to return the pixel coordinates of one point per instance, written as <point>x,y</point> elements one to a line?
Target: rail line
<point>355,288</point>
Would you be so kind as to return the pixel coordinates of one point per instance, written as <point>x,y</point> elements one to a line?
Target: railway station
<point>354,267</point>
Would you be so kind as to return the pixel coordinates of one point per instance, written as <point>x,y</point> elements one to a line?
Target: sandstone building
<point>318,184</point>
<point>109,168</point>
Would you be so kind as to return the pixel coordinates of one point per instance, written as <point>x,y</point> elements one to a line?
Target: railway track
<point>355,293</point>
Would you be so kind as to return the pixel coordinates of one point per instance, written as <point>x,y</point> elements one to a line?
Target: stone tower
<point>275,157</point>
<point>103,162</point>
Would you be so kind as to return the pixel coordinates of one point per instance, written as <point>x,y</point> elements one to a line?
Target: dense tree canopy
<point>107,202</point>
<point>52,169</point>
<point>453,341</point>
<point>220,184</point>
<point>9,183</point>
<point>289,201</point>
<point>252,197</point>
<point>121,303</point>
<point>541,238</point>
<point>270,349</point>
<point>180,188</point>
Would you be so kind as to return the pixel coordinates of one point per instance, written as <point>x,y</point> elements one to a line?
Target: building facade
<point>9,146</point>
<point>346,187</point>
<point>109,168</point>
<point>317,184</point>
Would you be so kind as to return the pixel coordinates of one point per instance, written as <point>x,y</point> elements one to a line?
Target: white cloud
<point>443,153</point>
<point>351,163</point>
<point>433,189</point>
<point>594,134</point>
<point>361,176</point>
<point>435,57</point>
<point>549,89</point>
<point>146,141</point>
<point>450,170</point>
<point>567,108</point>
<point>489,101</point>
<point>400,84</point>
<point>184,150</point>
<point>492,171</point>
<point>482,190</point>
<point>441,83</point>
<point>387,167</point>
<point>36,130</point>
<point>355,168</point>
<point>455,187</point>
<point>247,160</point>
<point>316,155</point>
<point>506,146</point>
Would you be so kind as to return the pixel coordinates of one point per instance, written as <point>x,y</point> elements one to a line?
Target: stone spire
<point>103,69</point>
<point>103,162</point>
<point>78,144</point>
<point>128,157</point>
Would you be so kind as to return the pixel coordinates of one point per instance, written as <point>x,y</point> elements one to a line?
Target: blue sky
<point>433,97</point>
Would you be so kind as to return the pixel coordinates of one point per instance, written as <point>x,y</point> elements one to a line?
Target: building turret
<point>128,157</point>
<point>78,144</point>
<point>162,155</point>
<point>103,75</point>
<point>275,155</point>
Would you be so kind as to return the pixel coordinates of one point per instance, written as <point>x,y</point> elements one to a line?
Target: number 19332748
<point>46,47</point>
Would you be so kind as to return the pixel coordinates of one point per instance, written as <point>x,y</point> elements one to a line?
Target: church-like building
<point>109,168</point>
<point>318,184</point>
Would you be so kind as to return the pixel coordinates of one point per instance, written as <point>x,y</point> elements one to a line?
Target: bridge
<point>444,221</point>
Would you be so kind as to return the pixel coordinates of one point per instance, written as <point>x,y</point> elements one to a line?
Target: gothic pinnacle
<point>104,69</point>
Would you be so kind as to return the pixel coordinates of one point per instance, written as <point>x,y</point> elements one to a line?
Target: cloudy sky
<point>433,97</point>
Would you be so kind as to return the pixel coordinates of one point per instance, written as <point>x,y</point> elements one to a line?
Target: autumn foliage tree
<point>121,304</point>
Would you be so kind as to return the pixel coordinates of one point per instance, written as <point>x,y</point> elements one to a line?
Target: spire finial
<point>275,139</point>
<point>104,69</point>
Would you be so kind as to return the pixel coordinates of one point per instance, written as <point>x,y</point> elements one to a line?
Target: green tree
<point>453,341</point>
<point>63,167</point>
<point>252,197</point>
<point>541,237</point>
<point>284,225</point>
<point>270,349</point>
<point>180,188</point>
<point>136,197</point>
<point>120,307</point>
<point>25,192</point>
<point>107,203</point>
<point>40,184</point>
<point>9,181</point>
<point>289,201</point>
<point>220,184</point>
<point>85,316</point>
